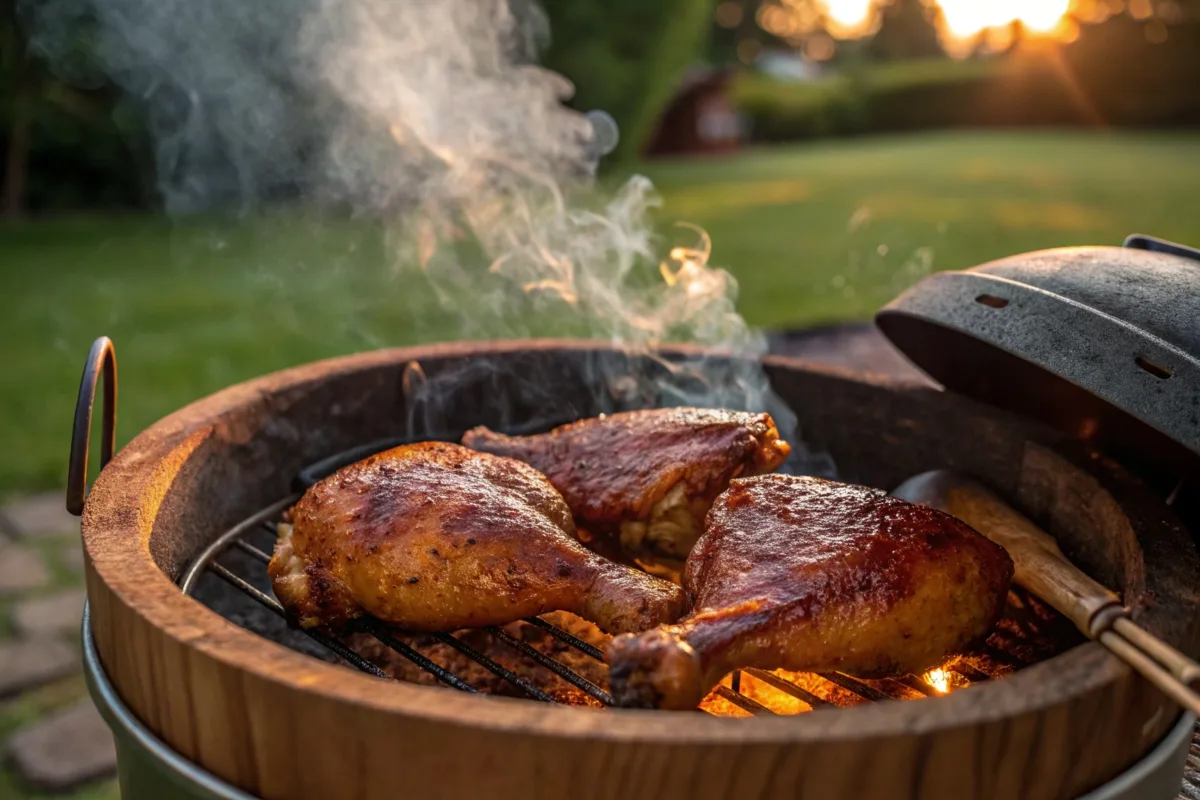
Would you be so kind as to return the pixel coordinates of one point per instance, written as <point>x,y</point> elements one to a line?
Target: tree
<point>626,56</point>
<point>20,72</point>
<point>906,29</point>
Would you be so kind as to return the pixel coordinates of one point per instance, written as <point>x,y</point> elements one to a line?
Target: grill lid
<point>1101,342</point>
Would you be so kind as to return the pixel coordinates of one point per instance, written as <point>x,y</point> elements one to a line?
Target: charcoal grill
<point>226,709</point>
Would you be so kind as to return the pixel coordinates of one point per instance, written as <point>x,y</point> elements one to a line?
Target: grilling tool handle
<point>1042,568</point>
<point>101,362</point>
<point>1040,565</point>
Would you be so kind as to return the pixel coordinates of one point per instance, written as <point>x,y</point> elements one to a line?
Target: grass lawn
<point>814,234</point>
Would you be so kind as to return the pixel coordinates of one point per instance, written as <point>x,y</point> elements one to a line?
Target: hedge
<point>626,56</point>
<point>1145,85</point>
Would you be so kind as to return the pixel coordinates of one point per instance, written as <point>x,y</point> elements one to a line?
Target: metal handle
<point>102,359</point>
<point>1140,241</point>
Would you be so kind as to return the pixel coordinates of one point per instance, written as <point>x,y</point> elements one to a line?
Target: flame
<point>426,243</point>
<point>939,679</point>
<point>563,290</point>
<point>413,379</point>
<point>942,680</point>
<point>685,266</point>
<point>689,281</point>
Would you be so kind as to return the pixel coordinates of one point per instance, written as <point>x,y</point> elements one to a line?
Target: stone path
<point>59,613</point>
<point>27,664</point>
<point>20,570</point>
<point>64,749</point>
<point>38,516</point>
<point>41,597</point>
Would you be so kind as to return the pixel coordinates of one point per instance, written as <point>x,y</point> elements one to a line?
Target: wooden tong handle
<point>1039,564</point>
<point>1042,568</point>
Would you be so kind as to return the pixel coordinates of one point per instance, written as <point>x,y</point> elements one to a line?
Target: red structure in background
<point>701,119</point>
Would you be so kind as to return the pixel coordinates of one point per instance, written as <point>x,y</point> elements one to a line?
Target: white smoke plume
<point>433,116</point>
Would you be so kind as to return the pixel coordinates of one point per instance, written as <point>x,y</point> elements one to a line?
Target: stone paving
<point>63,744</point>
<point>21,570</point>
<point>58,613</point>
<point>65,748</point>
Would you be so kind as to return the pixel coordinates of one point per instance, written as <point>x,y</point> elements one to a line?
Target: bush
<point>900,96</point>
<point>626,56</point>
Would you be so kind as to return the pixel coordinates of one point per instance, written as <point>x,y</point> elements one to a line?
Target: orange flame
<point>941,680</point>
<point>557,287</point>
<point>684,266</point>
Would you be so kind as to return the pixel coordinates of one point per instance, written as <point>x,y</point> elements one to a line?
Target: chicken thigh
<point>647,476</point>
<point>436,537</point>
<point>809,575</point>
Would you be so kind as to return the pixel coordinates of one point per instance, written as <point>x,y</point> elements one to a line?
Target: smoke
<point>434,116</point>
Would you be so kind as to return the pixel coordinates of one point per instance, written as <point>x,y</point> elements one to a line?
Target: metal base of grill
<point>146,767</point>
<point>149,769</point>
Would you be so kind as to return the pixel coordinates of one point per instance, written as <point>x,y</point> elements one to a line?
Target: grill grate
<point>814,690</point>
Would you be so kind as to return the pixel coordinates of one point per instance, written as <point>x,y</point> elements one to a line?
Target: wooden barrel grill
<point>1065,717</point>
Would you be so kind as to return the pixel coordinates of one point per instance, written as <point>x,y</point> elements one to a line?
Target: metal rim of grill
<point>898,688</point>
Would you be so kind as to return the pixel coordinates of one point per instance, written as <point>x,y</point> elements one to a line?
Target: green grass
<point>814,234</point>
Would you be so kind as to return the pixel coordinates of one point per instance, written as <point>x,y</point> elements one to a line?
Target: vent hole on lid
<point>991,301</point>
<point>1157,370</point>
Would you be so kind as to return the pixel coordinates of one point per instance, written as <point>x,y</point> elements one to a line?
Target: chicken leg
<point>647,476</point>
<point>811,576</point>
<point>436,537</point>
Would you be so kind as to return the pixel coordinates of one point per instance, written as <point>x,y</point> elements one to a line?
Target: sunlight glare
<point>963,18</point>
<point>968,17</point>
<point>848,17</point>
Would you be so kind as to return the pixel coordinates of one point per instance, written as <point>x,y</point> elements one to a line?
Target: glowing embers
<point>1029,632</point>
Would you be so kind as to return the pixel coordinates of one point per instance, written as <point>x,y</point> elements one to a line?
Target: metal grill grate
<point>1002,654</point>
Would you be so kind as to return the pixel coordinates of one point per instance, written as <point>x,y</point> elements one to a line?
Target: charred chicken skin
<point>436,537</point>
<point>811,576</point>
<point>648,476</point>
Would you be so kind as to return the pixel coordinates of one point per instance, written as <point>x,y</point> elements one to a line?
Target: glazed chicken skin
<point>648,476</point>
<point>810,575</point>
<point>436,537</point>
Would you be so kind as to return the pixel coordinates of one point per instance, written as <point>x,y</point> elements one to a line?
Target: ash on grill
<point>559,657</point>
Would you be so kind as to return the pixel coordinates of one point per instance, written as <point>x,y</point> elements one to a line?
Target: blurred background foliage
<point>70,146</point>
<point>1034,84</point>
<point>625,56</point>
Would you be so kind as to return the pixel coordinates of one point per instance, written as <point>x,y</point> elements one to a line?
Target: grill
<point>195,499</point>
<point>1029,632</point>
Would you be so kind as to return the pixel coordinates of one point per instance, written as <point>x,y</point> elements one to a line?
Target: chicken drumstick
<point>812,576</point>
<point>435,537</point>
<point>649,476</point>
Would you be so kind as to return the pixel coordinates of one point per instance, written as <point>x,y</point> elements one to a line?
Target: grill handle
<point>101,360</point>
<point>1140,241</point>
